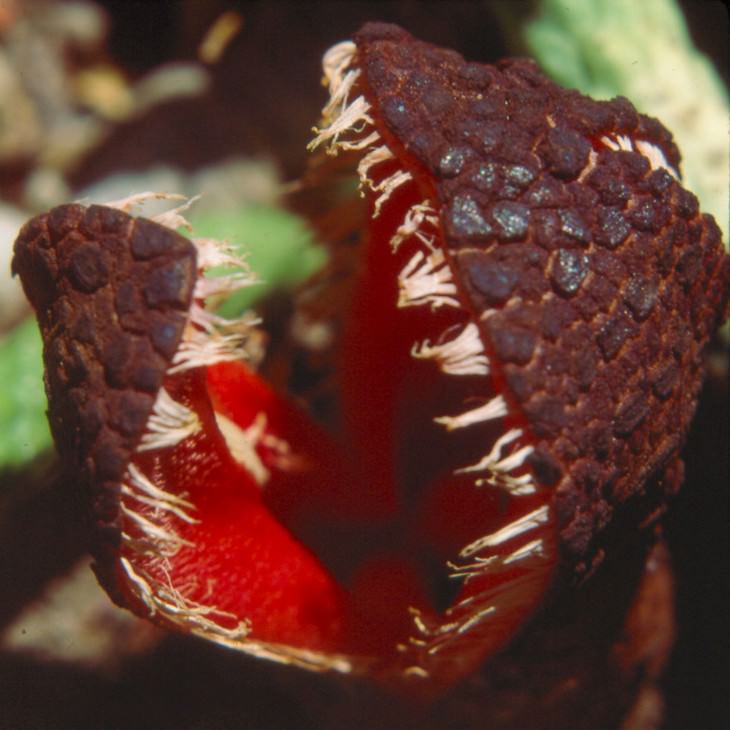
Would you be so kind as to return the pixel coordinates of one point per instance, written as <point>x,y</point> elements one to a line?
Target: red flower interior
<point>379,504</point>
<point>350,543</point>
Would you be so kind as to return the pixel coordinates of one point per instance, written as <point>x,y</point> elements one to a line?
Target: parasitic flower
<point>518,367</point>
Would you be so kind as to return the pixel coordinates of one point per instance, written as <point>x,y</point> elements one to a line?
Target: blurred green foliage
<point>276,244</point>
<point>25,431</point>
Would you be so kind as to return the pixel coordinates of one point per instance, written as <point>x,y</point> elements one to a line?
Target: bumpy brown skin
<point>112,294</point>
<point>603,290</point>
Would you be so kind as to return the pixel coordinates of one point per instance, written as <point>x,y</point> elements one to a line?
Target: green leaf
<point>276,244</point>
<point>23,406</point>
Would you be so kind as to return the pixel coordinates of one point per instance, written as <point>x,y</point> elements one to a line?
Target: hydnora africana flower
<point>520,363</point>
